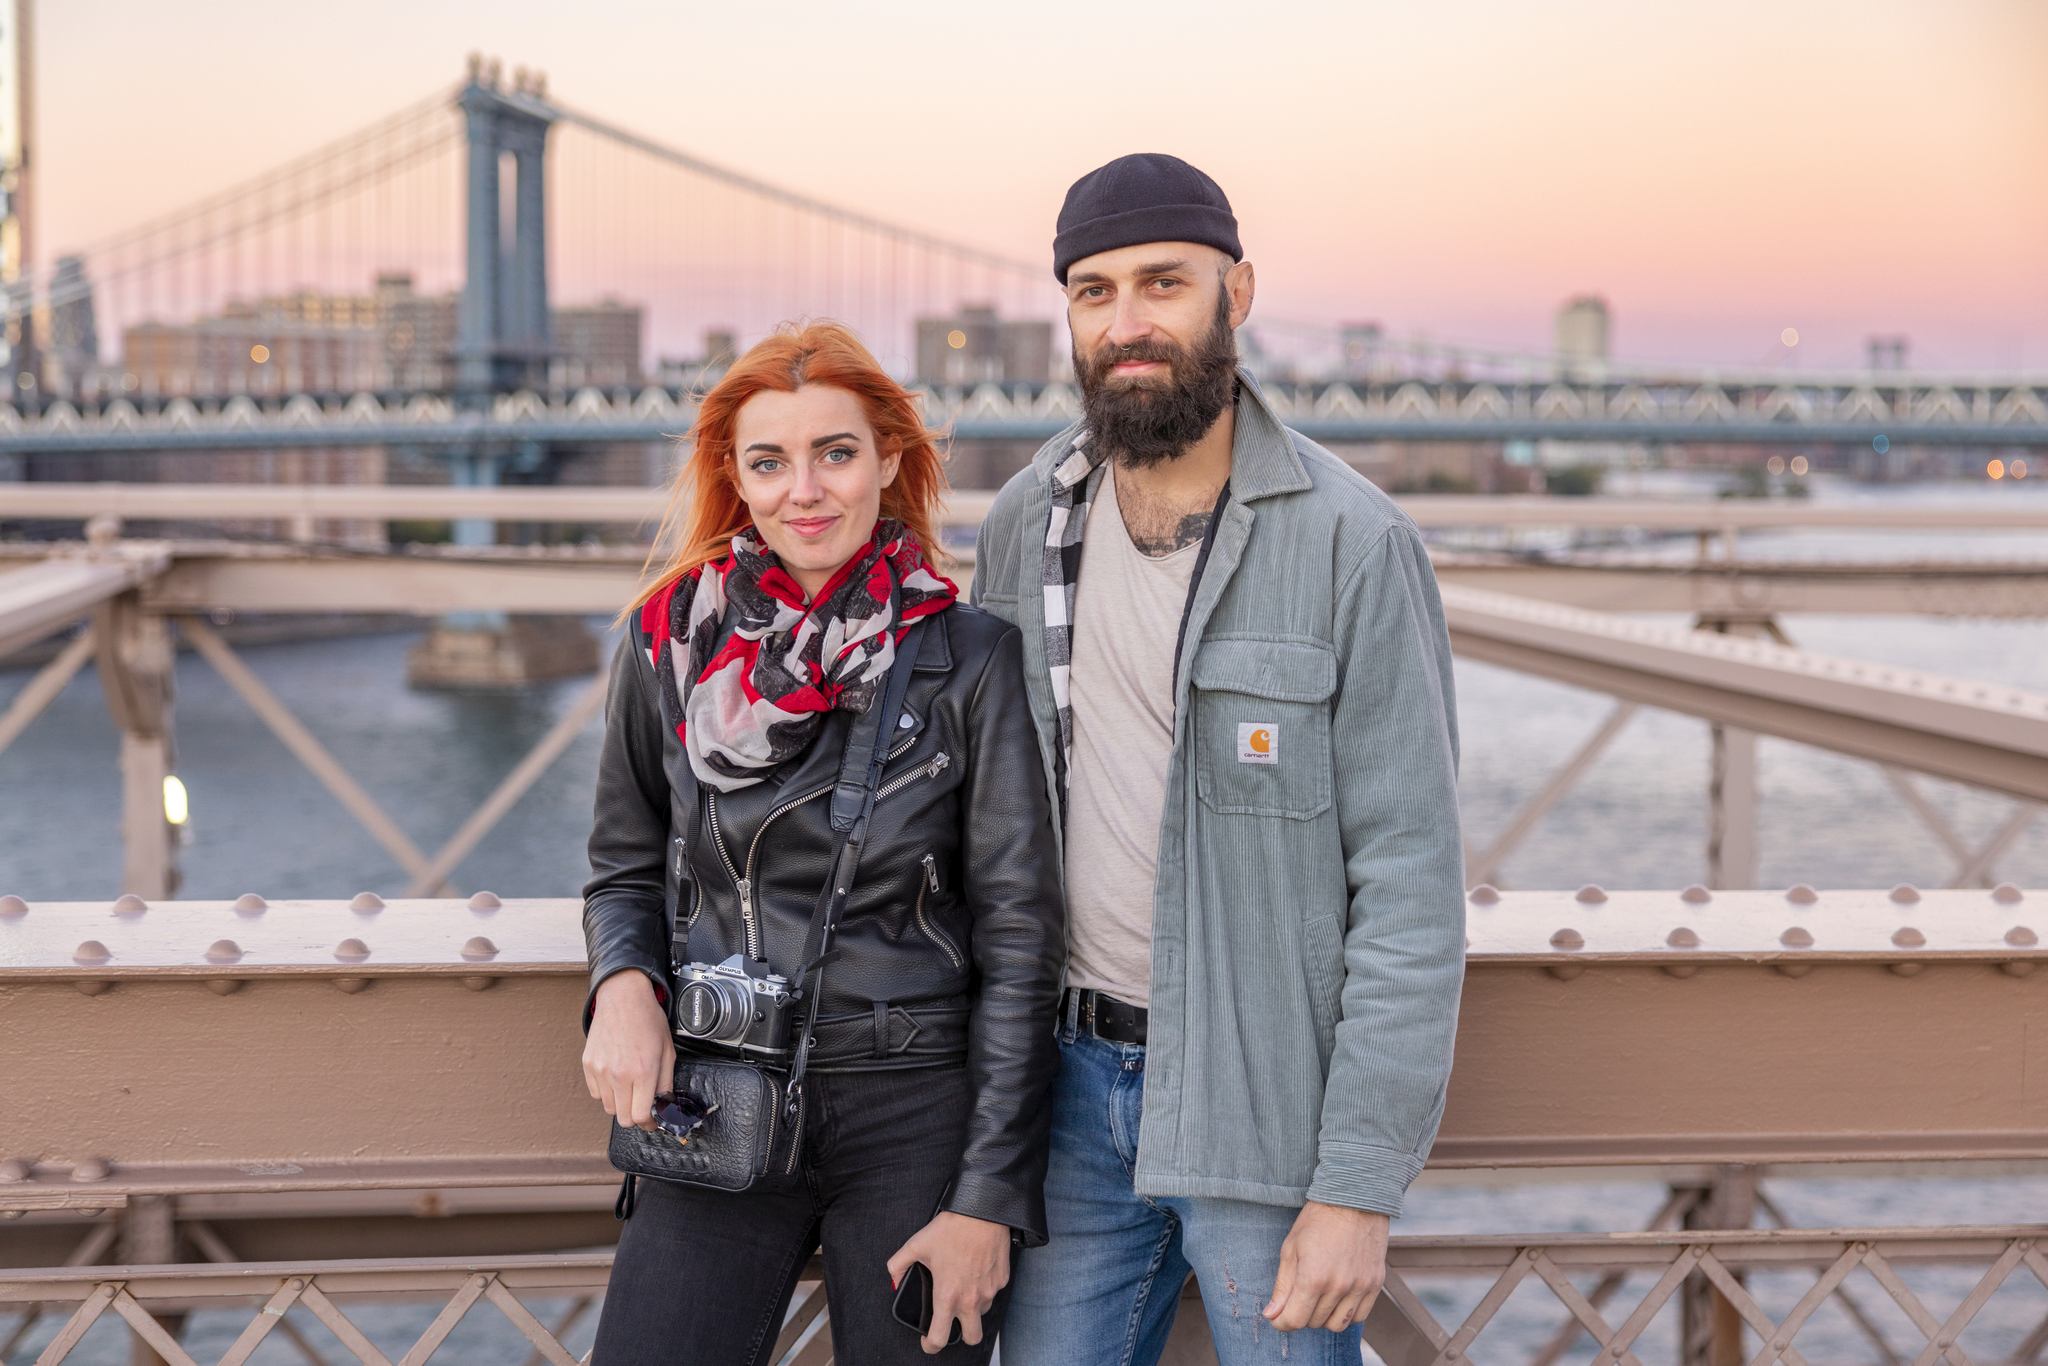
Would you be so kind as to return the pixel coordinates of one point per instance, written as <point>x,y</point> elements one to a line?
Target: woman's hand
<point>970,1262</point>
<point>629,1054</point>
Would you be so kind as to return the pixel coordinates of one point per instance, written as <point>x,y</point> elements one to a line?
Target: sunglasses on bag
<point>681,1114</point>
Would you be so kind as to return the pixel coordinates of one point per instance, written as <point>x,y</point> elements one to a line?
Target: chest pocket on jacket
<point>1262,726</point>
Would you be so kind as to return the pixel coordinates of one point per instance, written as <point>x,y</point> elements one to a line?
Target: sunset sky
<point>1719,172</point>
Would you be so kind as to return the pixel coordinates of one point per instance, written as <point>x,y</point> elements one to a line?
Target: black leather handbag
<point>755,1120</point>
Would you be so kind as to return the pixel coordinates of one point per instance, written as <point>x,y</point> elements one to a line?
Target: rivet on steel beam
<point>250,904</point>
<point>129,904</point>
<point>92,1169</point>
<point>1698,1252</point>
<point>224,986</point>
<point>1565,972</point>
<point>2005,894</point>
<point>2020,937</point>
<point>91,952</point>
<point>483,903</point>
<point>352,985</point>
<point>1905,894</point>
<point>1485,894</point>
<point>366,903</point>
<point>1801,894</point>
<point>1591,894</point>
<point>1797,937</point>
<point>96,986</point>
<point>1696,894</point>
<point>1906,937</point>
<point>352,950</point>
<point>12,907</point>
<point>479,949</point>
<point>1683,938</point>
<point>2017,967</point>
<point>1567,938</point>
<point>223,951</point>
<point>479,983</point>
<point>1862,1247</point>
<point>13,1169</point>
<point>1679,970</point>
<point>1792,968</point>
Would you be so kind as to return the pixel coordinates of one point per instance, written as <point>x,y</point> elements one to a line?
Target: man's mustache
<point>1118,355</point>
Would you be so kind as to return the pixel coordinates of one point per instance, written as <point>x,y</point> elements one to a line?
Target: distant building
<point>418,332</point>
<point>288,344</point>
<point>391,338</point>
<point>976,347</point>
<point>700,372</point>
<point>1582,337</point>
<point>596,343</point>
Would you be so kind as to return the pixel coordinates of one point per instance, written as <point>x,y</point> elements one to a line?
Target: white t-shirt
<point>1127,611</point>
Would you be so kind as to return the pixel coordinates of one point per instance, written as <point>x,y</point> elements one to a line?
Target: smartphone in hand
<point>913,1307</point>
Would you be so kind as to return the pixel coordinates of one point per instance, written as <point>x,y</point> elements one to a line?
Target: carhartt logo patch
<point>1258,742</point>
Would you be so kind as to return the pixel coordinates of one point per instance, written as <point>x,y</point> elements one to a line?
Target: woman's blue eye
<point>841,454</point>
<point>765,465</point>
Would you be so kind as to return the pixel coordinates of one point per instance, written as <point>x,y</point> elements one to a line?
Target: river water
<point>261,823</point>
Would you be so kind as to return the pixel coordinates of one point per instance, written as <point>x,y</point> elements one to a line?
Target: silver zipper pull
<point>939,762</point>
<point>746,890</point>
<point>931,872</point>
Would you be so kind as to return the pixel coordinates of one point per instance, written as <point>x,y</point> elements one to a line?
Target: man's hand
<point>1331,1268</point>
<point>970,1262</point>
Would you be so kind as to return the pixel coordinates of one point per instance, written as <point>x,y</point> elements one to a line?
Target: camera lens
<point>715,1010</point>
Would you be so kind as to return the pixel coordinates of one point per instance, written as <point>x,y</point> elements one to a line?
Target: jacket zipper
<point>744,883</point>
<point>796,1132</point>
<point>746,892</point>
<point>931,881</point>
<point>682,880</point>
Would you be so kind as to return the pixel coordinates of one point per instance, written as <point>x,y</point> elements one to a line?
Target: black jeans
<point>704,1277</point>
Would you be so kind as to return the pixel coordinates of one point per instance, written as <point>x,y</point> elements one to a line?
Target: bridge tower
<point>502,327</point>
<point>501,345</point>
<point>20,371</point>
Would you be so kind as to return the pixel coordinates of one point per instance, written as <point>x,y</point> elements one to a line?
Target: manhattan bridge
<point>478,208</point>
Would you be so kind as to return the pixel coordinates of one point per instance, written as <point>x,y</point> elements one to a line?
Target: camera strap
<point>853,802</point>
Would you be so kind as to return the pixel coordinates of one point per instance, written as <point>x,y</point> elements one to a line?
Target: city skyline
<point>1843,171</point>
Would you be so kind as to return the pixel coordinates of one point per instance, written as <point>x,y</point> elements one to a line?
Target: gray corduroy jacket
<point>1308,921</point>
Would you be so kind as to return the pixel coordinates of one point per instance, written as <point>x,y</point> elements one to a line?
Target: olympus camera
<point>738,1004</point>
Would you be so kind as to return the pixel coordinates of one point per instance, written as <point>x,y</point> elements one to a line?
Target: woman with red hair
<point>915,1052</point>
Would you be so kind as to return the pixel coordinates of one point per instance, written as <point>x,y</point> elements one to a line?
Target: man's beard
<point>1145,421</point>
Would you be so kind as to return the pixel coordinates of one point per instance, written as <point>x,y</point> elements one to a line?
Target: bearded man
<point>1239,669</point>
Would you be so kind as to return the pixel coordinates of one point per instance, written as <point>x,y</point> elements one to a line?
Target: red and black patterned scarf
<point>754,701</point>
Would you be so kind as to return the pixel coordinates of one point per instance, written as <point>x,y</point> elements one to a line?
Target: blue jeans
<point>1104,1290</point>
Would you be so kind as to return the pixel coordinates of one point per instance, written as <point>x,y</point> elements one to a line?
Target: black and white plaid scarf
<point>1074,483</point>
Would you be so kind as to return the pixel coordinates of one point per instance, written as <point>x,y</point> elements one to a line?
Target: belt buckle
<point>1088,1012</point>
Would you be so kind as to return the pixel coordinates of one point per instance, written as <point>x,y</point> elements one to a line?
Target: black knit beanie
<point>1144,197</point>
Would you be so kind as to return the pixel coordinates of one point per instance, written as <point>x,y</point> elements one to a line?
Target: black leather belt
<point>1104,1016</point>
<point>891,1036</point>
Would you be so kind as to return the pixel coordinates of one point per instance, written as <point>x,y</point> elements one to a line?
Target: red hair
<point>705,510</point>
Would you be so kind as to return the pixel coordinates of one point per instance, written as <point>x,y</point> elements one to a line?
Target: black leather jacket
<point>956,921</point>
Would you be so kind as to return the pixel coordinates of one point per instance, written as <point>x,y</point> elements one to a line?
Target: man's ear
<point>1240,282</point>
